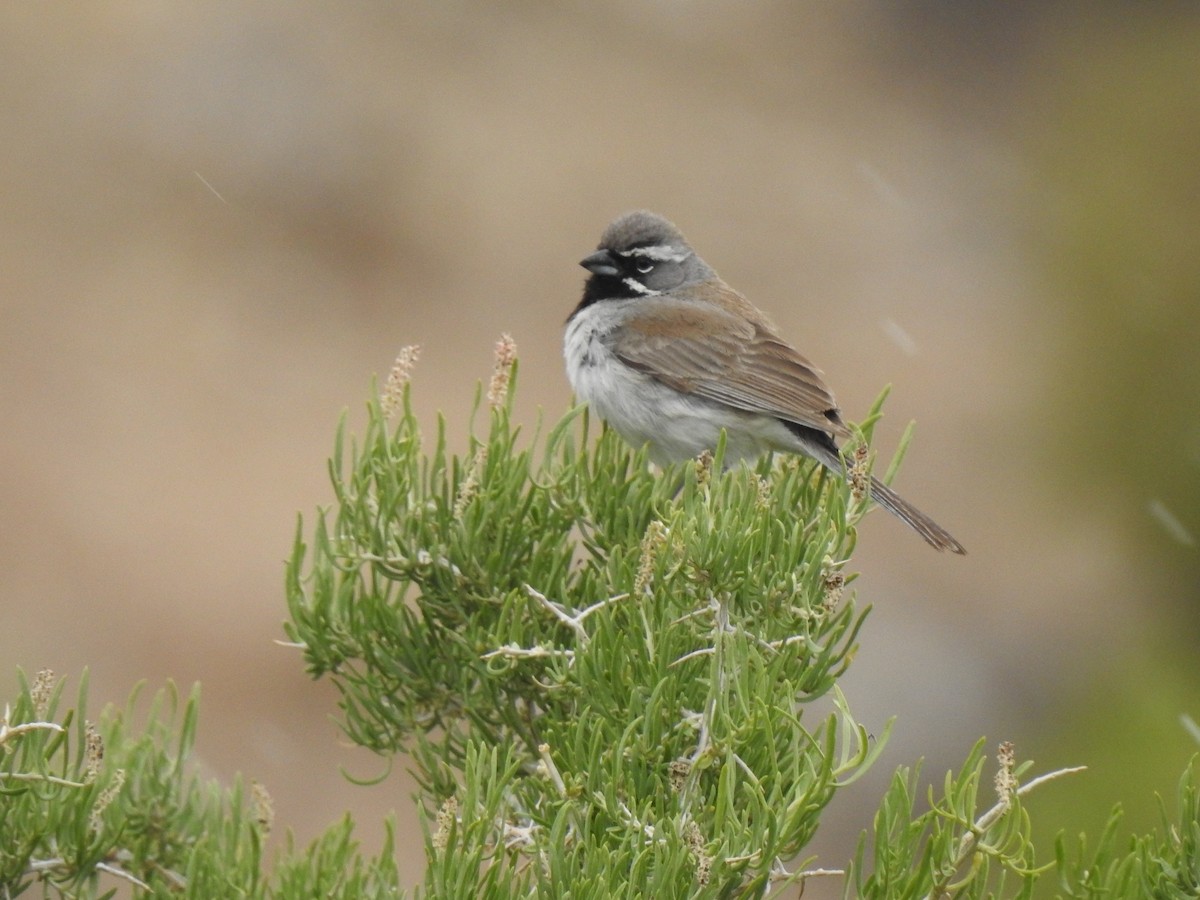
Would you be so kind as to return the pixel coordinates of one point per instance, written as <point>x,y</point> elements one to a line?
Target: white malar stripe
<point>634,285</point>
<point>662,253</point>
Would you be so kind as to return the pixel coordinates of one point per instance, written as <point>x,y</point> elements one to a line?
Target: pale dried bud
<point>107,796</point>
<point>506,355</point>
<point>704,467</point>
<point>264,809</point>
<point>40,691</point>
<point>762,500</point>
<point>393,389</point>
<point>652,542</point>
<point>834,583</point>
<point>1006,782</point>
<point>93,753</point>
<point>696,843</point>
<point>860,479</point>
<point>446,817</point>
<point>470,483</point>
<point>678,773</point>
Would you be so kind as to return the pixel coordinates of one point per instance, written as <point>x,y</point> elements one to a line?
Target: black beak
<point>600,263</point>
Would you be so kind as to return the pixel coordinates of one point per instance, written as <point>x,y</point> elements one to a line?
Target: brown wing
<point>726,352</point>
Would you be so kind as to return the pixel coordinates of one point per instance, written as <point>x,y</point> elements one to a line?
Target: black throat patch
<point>604,287</point>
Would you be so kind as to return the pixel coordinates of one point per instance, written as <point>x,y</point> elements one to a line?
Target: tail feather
<point>935,535</point>
<point>820,447</point>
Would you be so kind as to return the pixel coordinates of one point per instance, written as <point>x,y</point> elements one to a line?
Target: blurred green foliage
<point>1115,213</point>
<point>91,809</point>
<point>604,680</point>
<point>1117,239</point>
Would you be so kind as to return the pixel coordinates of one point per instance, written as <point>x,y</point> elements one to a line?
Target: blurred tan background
<point>220,220</point>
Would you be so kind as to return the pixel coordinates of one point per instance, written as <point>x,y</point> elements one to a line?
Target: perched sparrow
<point>668,355</point>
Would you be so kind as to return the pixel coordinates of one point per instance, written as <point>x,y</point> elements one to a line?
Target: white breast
<point>645,411</point>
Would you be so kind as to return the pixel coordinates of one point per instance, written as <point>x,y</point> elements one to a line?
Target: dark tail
<point>935,535</point>
<point>820,446</point>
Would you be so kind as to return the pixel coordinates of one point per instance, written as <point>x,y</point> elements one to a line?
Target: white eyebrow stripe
<point>634,285</point>
<point>662,253</point>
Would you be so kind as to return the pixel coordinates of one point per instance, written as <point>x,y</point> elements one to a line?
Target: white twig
<point>551,769</point>
<point>779,872</point>
<point>599,605</point>
<point>990,817</point>
<point>121,873</point>
<point>512,651</point>
<point>47,779</point>
<point>694,614</point>
<point>695,654</point>
<point>574,621</point>
<point>741,764</point>
<point>46,865</point>
<point>1049,776</point>
<point>43,865</point>
<point>17,730</point>
<point>787,642</point>
<point>636,824</point>
<point>745,857</point>
<point>820,873</point>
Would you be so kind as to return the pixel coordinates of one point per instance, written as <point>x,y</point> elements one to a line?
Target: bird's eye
<point>645,266</point>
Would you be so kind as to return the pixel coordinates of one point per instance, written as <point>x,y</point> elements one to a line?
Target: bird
<point>669,355</point>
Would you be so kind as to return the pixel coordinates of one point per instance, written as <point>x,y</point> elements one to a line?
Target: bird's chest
<point>638,407</point>
<point>596,375</point>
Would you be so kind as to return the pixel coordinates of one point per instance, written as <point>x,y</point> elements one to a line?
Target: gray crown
<point>641,228</point>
